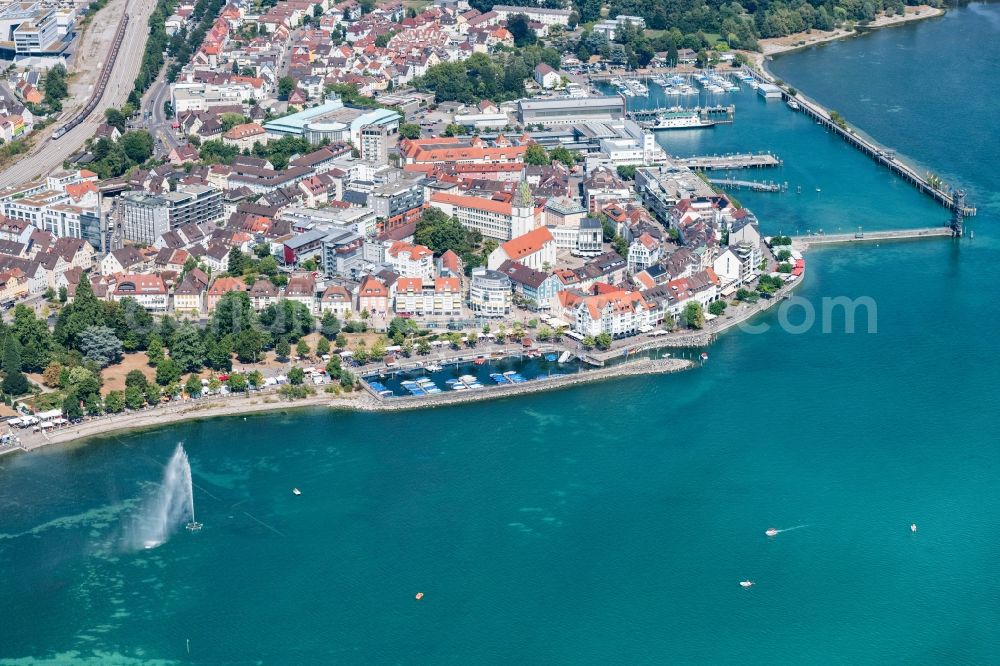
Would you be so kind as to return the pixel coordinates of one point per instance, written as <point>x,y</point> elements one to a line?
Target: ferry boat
<point>674,121</point>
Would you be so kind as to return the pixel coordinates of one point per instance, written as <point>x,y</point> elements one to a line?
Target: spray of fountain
<point>171,506</point>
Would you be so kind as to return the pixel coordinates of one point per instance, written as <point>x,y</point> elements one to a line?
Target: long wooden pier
<point>808,240</point>
<point>869,147</point>
<point>740,161</point>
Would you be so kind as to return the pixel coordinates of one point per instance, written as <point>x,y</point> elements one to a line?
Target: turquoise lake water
<point>608,523</point>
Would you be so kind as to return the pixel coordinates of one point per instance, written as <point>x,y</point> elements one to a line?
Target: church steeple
<point>522,210</point>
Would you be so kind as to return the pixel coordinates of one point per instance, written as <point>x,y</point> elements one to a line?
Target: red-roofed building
<point>149,290</point>
<point>410,261</point>
<point>535,249</point>
<point>439,297</point>
<point>466,151</point>
<point>604,309</point>
<point>449,264</point>
<point>221,287</point>
<point>373,295</point>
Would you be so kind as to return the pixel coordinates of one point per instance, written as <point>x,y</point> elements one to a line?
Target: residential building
<point>220,287</point>
<point>437,297</point>
<point>535,289</point>
<point>617,312</point>
<point>373,296</point>
<point>410,260</point>
<point>546,76</point>
<point>148,290</point>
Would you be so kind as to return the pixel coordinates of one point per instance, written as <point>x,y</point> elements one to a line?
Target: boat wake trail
<point>774,531</point>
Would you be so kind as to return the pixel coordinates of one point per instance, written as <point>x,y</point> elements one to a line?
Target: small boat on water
<point>793,105</point>
<point>551,357</point>
<point>771,531</point>
<point>746,583</point>
<point>704,356</point>
<point>433,368</point>
<point>296,491</point>
<point>913,527</point>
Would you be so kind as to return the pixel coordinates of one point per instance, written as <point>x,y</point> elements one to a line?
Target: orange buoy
<point>420,595</point>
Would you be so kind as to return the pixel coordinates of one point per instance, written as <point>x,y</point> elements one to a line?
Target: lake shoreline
<point>800,41</point>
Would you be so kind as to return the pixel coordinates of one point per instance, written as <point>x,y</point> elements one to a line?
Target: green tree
<point>238,262</point>
<point>154,350</point>
<point>114,402</point>
<point>603,341</point>
<point>282,349</point>
<point>138,145</point>
<point>340,342</point>
<point>296,376</point>
<point>322,347</point>
<point>255,379</point>
<point>187,349</point>
<point>192,386</point>
<point>520,29</point>
<point>55,87</point>
<point>14,381</point>
<point>694,315</point>
<point>286,85</point>
<point>100,345</point>
<point>409,131</point>
<point>329,325</point>
<point>134,398</point>
<point>249,345</point>
<point>85,310</point>
<point>116,119</point>
<point>36,341</point>
<point>237,383</point>
<point>302,348</point>
<point>168,372</point>
<point>453,129</point>
<point>137,379</point>
<point>717,307</point>
<point>71,408</point>
<point>536,155</point>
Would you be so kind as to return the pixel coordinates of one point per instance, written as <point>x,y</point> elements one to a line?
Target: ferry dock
<point>738,161</point>
<point>754,185</point>
<point>861,236</point>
